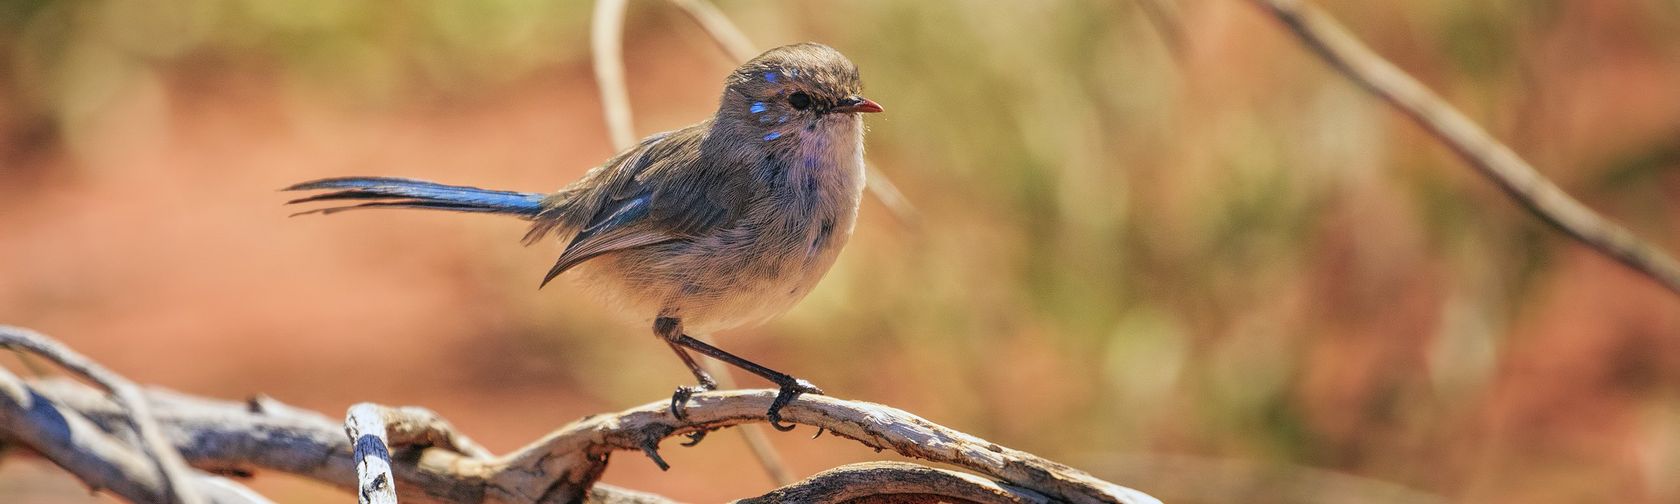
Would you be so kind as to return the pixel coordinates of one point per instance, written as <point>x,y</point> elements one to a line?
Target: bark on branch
<point>426,460</point>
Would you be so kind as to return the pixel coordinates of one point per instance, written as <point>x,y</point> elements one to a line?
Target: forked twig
<point>1474,145</point>
<point>152,443</point>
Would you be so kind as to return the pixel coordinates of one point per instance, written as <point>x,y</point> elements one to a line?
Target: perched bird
<point>721,224</point>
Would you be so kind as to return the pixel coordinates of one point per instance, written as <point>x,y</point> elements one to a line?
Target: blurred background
<point>1158,240</point>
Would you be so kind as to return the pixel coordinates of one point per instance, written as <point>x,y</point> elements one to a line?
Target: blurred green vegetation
<point>1221,250</point>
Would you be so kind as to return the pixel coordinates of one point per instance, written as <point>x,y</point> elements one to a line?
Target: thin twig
<point>606,42</point>
<point>1164,18</point>
<point>152,442</point>
<point>364,424</point>
<point>1474,145</point>
<point>728,37</point>
<point>412,426</point>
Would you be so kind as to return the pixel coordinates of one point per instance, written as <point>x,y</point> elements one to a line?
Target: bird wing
<point>660,191</point>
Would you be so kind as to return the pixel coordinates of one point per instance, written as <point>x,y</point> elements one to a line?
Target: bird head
<point>794,90</point>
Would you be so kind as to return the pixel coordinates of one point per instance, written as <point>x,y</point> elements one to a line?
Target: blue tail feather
<point>391,192</point>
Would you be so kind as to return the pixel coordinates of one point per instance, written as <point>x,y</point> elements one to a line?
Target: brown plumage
<point>727,222</point>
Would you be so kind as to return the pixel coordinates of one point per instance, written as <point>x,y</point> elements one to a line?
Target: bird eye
<point>799,100</point>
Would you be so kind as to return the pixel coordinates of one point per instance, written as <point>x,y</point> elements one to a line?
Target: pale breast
<point>762,265</point>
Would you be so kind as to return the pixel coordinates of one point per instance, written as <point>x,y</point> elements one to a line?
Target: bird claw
<point>694,437</point>
<point>787,394</point>
<point>679,401</point>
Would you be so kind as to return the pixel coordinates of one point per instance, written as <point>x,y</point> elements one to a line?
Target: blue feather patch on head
<point>782,119</point>
<point>772,136</point>
<point>756,107</point>
<point>770,77</point>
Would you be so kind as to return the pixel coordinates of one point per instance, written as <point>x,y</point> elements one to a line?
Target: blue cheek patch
<point>772,136</point>
<point>770,77</point>
<point>756,107</point>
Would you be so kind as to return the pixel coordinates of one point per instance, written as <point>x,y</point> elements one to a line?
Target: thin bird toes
<point>679,401</point>
<point>694,437</point>
<point>775,418</point>
<point>786,395</point>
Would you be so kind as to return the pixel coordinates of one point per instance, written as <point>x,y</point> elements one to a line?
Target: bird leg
<point>670,329</point>
<point>790,387</point>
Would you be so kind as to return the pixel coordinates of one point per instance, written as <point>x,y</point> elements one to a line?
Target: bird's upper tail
<point>391,192</point>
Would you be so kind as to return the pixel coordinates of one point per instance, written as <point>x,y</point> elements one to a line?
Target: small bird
<point>721,224</point>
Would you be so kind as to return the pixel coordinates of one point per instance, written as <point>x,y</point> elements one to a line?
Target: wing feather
<point>663,190</point>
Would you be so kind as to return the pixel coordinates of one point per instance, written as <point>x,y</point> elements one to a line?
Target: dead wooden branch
<point>167,462</point>
<point>384,453</point>
<point>100,457</point>
<point>852,482</point>
<point>1347,55</point>
<point>365,426</point>
<point>238,438</point>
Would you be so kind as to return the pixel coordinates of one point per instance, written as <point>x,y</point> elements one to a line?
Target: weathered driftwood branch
<point>101,459</point>
<point>168,464</point>
<point>383,453</point>
<point>855,481</point>
<point>243,438</point>
<point>365,426</point>
<point>1347,55</point>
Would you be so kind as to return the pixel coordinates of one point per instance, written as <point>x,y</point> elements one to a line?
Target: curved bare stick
<point>1474,145</point>
<point>882,479</point>
<point>581,449</point>
<point>152,443</point>
<point>606,43</point>
<point>99,459</point>
<point>729,38</point>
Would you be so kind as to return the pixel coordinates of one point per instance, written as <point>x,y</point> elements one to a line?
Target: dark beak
<point>857,104</point>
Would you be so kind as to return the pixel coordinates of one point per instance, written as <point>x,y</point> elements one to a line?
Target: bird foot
<point>679,409</point>
<point>679,399</point>
<point>789,391</point>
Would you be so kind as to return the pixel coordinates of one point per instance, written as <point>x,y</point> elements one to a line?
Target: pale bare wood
<point>168,463</point>
<point>606,43</point>
<point>100,459</point>
<point>364,425</point>
<point>229,437</point>
<point>877,479</point>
